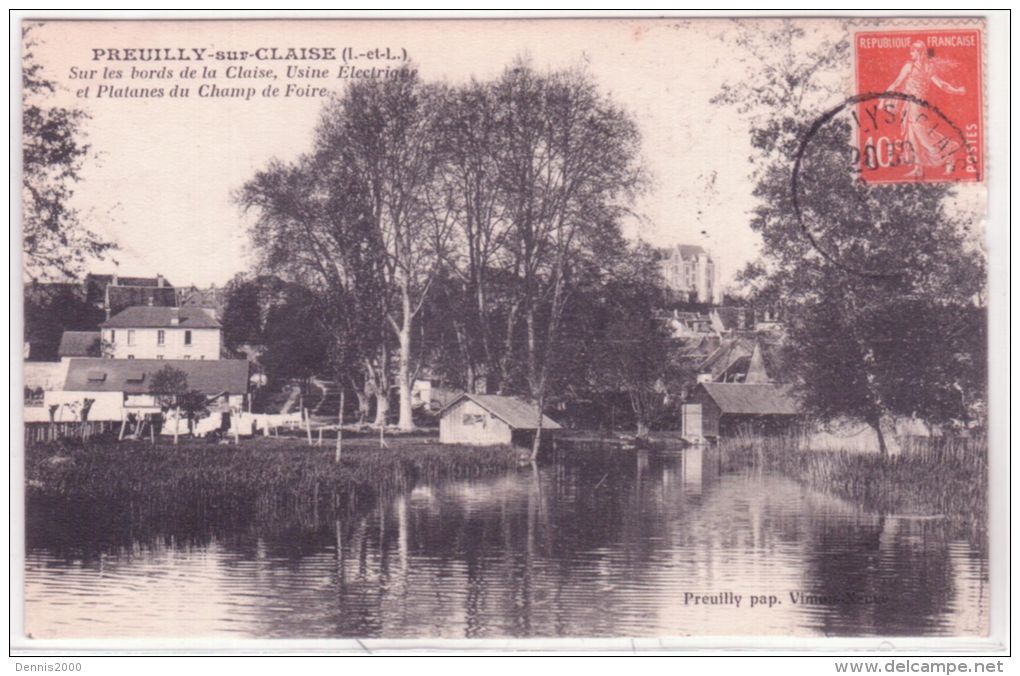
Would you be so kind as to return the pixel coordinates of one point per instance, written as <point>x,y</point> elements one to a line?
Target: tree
<point>51,309</point>
<point>633,349</point>
<point>243,313</point>
<point>569,169</point>
<point>314,230</point>
<point>56,242</point>
<point>169,386</point>
<point>489,200</point>
<point>866,274</point>
<point>470,145</point>
<point>384,133</point>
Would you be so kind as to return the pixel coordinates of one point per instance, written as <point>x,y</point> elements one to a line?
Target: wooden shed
<point>723,409</point>
<point>492,420</point>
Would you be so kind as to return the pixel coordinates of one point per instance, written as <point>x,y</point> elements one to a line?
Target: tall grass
<point>941,476</point>
<point>122,493</point>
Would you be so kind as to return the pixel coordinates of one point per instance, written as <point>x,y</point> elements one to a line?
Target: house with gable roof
<point>155,332</point>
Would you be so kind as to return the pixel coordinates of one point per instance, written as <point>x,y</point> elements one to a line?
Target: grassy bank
<point>194,490</point>
<point>944,477</point>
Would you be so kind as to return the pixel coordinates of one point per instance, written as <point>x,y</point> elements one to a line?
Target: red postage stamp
<point>919,111</point>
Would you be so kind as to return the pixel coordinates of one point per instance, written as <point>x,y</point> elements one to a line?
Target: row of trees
<point>490,205</point>
<point>475,230</point>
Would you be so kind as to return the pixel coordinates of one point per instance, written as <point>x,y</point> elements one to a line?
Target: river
<point>636,544</point>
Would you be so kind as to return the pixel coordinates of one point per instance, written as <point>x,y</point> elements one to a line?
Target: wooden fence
<point>36,432</point>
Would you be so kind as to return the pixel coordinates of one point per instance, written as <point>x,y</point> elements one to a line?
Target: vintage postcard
<point>668,329</point>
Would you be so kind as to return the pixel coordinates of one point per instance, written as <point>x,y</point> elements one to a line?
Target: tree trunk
<point>483,329</point>
<point>363,399</point>
<point>888,443</point>
<point>508,351</point>
<point>638,405</point>
<point>382,388</point>
<point>542,371</point>
<point>340,424</point>
<point>533,384</point>
<point>885,430</point>
<point>406,421</point>
<point>642,429</point>
<point>881,438</point>
<point>538,429</point>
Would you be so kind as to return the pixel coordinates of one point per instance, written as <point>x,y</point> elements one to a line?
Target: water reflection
<point>624,544</point>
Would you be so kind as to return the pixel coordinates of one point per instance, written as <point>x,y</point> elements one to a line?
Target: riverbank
<point>942,477</point>
<point>270,484</point>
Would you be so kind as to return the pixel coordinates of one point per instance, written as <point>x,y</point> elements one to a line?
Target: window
<point>187,356</point>
<point>131,336</point>
<point>187,337</point>
<point>113,335</point>
<point>470,419</point>
<point>161,337</point>
<point>131,356</point>
<point>159,356</point>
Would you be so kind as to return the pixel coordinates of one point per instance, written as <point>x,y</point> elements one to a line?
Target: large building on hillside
<point>692,274</point>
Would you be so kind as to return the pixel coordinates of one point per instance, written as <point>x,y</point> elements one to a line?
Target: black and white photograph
<point>672,330</point>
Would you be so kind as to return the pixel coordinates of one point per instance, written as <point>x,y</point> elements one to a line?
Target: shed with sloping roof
<point>725,409</point>
<point>492,420</point>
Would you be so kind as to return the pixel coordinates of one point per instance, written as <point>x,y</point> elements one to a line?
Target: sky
<point>166,170</point>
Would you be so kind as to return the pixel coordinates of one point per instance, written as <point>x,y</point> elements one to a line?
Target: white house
<point>152,332</point>
<point>114,388</point>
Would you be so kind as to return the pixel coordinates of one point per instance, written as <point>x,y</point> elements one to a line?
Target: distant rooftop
<point>691,250</point>
<point>104,280</point>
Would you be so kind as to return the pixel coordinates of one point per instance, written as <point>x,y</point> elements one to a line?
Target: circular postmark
<point>869,171</point>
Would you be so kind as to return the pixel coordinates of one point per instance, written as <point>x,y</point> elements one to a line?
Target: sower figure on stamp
<point>914,79</point>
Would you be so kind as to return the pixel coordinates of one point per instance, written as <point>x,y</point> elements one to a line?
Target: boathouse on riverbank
<point>725,409</point>
<point>492,420</point>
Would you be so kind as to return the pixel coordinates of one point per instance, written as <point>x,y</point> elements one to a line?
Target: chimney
<point>160,282</point>
<point>113,281</point>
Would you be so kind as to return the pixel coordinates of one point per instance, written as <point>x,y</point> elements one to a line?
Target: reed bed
<point>135,491</point>
<point>937,477</point>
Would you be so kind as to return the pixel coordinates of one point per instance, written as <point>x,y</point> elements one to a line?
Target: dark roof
<point>208,376</point>
<point>119,298</point>
<point>516,412</point>
<point>690,250</point>
<point>96,285</point>
<point>79,344</point>
<point>743,399</point>
<point>728,351</point>
<point>146,317</point>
